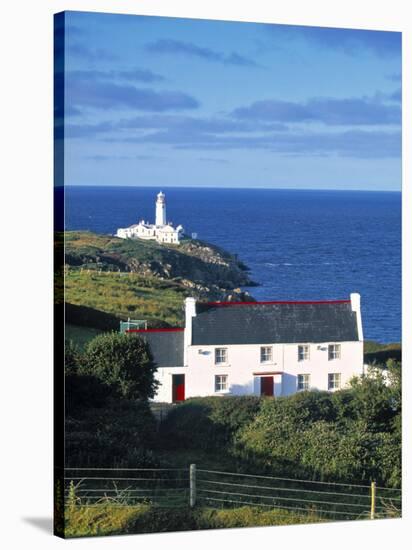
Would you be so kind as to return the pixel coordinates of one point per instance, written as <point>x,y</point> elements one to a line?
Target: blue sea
<point>299,245</point>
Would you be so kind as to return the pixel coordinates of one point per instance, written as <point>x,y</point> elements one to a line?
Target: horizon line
<point>234,187</point>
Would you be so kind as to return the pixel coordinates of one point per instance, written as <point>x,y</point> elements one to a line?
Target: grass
<point>126,295</point>
<point>374,352</point>
<point>143,279</point>
<point>370,347</point>
<point>80,335</point>
<point>114,520</point>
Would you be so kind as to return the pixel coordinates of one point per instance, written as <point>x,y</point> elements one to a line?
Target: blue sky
<point>180,102</point>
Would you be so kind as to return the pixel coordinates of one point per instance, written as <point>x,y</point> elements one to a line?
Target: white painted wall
<point>319,366</point>
<point>160,209</point>
<point>244,360</point>
<point>164,376</point>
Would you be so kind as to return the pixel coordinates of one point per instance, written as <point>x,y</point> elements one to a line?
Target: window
<point>220,356</point>
<point>266,354</point>
<point>303,382</point>
<point>220,382</point>
<point>334,381</point>
<point>303,353</point>
<point>333,351</point>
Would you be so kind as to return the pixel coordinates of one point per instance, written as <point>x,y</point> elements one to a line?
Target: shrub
<point>122,362</point>
<point>120,434</point>
<point>208,422</point>
<point>83,392</point>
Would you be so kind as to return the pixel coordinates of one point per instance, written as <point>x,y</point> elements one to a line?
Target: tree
<point>123,362</point>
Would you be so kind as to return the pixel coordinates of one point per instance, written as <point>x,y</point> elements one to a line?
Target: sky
<point>156,101</point>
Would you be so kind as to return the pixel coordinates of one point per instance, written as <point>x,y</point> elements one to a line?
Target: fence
<point>183,487</point>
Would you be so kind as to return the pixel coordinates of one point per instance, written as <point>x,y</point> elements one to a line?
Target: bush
<point>374,400</point>
<point>83,392</point>
<point>208,422</point>
<point>123,363</point>
<point>351,435</point>
<point>71,358</point>
<point>120,434</point>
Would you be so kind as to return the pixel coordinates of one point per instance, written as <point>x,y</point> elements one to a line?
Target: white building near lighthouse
<point>161,231</point>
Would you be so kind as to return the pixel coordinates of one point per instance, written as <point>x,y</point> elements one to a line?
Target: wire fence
<point>327,500</point>
<point>87,487</point>
<point>183,487</point>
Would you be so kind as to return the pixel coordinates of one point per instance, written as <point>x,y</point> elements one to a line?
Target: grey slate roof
<point>166,347</point>
<point>272,323</point>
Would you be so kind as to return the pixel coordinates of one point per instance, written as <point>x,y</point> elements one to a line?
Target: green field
<point>126,295</point>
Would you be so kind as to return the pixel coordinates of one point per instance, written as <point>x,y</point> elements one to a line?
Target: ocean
<point>299,245</point>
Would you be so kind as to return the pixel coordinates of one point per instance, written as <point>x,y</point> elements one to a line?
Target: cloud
<point>136,74</point>
<point>176,47</point>
<point>74,31</point>
<point>329,111</point>
<point>213,160</point>
<point>104,158</point>
<point>100,158</point>
<point>191,125</point>
<point>87,130</point>
<point>353,143</point>
<point>83,52</point>
<point>109,95</point>
<point>352,42</point>
<point>394,77</point>
<point>185,126</point>
<point>396,95</point>
<point>262,126</point>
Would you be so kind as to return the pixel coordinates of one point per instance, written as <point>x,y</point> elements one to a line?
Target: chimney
<point>356,307</point>
<point>190,312</point>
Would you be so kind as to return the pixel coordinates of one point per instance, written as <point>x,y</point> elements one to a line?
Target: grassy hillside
<point>80,335</point>
<point>126,295</point>
<point>380,353</point>
<point>108,276</point>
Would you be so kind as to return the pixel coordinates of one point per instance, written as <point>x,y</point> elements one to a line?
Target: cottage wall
<point>244,369</point>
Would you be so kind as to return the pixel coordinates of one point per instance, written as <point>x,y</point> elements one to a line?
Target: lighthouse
<point>160,231</point>
<point>161,209</point>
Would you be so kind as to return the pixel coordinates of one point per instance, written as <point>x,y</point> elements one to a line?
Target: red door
<point>178,387</point>
<point>266,385</point>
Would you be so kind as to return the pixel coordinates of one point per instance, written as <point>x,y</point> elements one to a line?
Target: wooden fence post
<point>373,499</point>
<point>192,478</point>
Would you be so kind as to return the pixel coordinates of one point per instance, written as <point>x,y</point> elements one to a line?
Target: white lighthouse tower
<point>160,209</point>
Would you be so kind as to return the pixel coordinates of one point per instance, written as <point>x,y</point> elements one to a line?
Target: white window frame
<point>221,383</point>
<point>334,352</point>
<point>303,382</point>
<point>334,380</point>
<point>219,354</point>
<point>305,348</point>
<point>263,352</point>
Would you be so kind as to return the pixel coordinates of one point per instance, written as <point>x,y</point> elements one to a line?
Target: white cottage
<point>258,348</point>
<point>161,231</point>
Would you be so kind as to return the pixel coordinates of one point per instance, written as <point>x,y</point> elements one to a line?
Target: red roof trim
<point>267,373</point>
<point>276,302</point>
<point>173,329</point>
